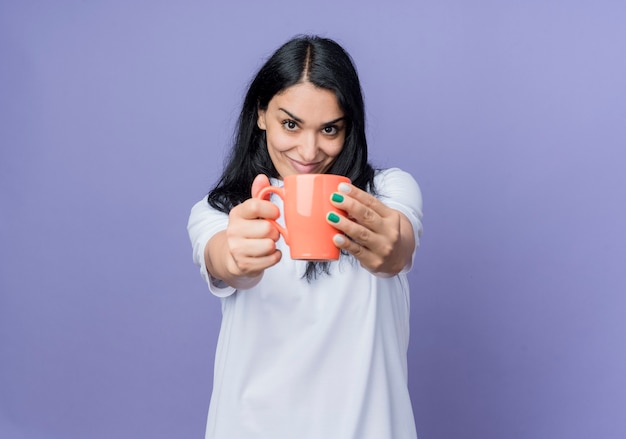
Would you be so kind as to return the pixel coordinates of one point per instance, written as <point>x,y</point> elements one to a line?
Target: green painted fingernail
<point>333,217</point>
<point>337,198</point>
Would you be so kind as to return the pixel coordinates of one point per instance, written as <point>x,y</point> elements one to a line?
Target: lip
<point>304,168</point>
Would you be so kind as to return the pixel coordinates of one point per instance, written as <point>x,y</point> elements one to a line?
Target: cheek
<point>333,148</point>
<point>279,141</point>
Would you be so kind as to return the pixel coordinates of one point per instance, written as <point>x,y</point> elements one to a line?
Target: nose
<point>308,146</point>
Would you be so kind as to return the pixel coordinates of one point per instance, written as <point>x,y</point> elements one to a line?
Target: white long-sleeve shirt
<point>319,360</point>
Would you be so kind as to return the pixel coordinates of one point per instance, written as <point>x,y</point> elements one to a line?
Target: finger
<point>358,233</point>
<point>254,208</point>
<point>255,265</point>
<point>352,247</point>
<point>252,229</point>
<point>260,181</point>
<point>350,191</point>
<point>252,248</point>
<point>369,214</point>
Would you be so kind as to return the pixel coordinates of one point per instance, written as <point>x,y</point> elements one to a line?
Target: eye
<point>289,125</point>
<point>330,130</point>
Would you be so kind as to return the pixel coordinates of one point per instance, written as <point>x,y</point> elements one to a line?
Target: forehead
<point>305,100</point>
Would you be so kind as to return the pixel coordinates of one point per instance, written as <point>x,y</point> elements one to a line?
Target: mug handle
<point>281,193</point>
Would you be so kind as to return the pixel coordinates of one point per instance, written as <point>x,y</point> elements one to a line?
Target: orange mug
<point>306,199</point>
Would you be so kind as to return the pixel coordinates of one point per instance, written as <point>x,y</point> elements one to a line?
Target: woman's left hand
<point>380,237</point>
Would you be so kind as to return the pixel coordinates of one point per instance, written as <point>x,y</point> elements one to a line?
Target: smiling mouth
<point>305,168</point>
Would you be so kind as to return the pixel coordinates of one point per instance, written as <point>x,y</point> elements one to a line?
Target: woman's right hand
<point>251,239</point>
<point>240,254</point>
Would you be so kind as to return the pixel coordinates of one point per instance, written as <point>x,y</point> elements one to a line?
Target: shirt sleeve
<point>399,190</point>
<point>204,222</point>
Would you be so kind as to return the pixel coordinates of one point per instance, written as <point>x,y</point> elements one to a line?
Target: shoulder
<point>396,184</point>
<point>399,190</point>
<point>203,209</point>
<point>204,221</point>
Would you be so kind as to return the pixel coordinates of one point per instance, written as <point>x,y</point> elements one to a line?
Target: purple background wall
<point>114,119</point>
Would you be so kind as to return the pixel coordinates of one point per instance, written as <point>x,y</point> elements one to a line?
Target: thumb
<point>260,181</point>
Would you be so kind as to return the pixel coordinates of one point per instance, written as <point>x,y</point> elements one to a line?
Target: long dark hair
<point>325,64</point>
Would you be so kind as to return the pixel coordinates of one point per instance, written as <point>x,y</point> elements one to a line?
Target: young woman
<point>308,349</point>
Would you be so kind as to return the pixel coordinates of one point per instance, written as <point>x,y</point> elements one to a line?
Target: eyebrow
<point>297,119</point>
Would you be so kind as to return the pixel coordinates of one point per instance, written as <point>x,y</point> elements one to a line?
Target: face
<point>305,129</point>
